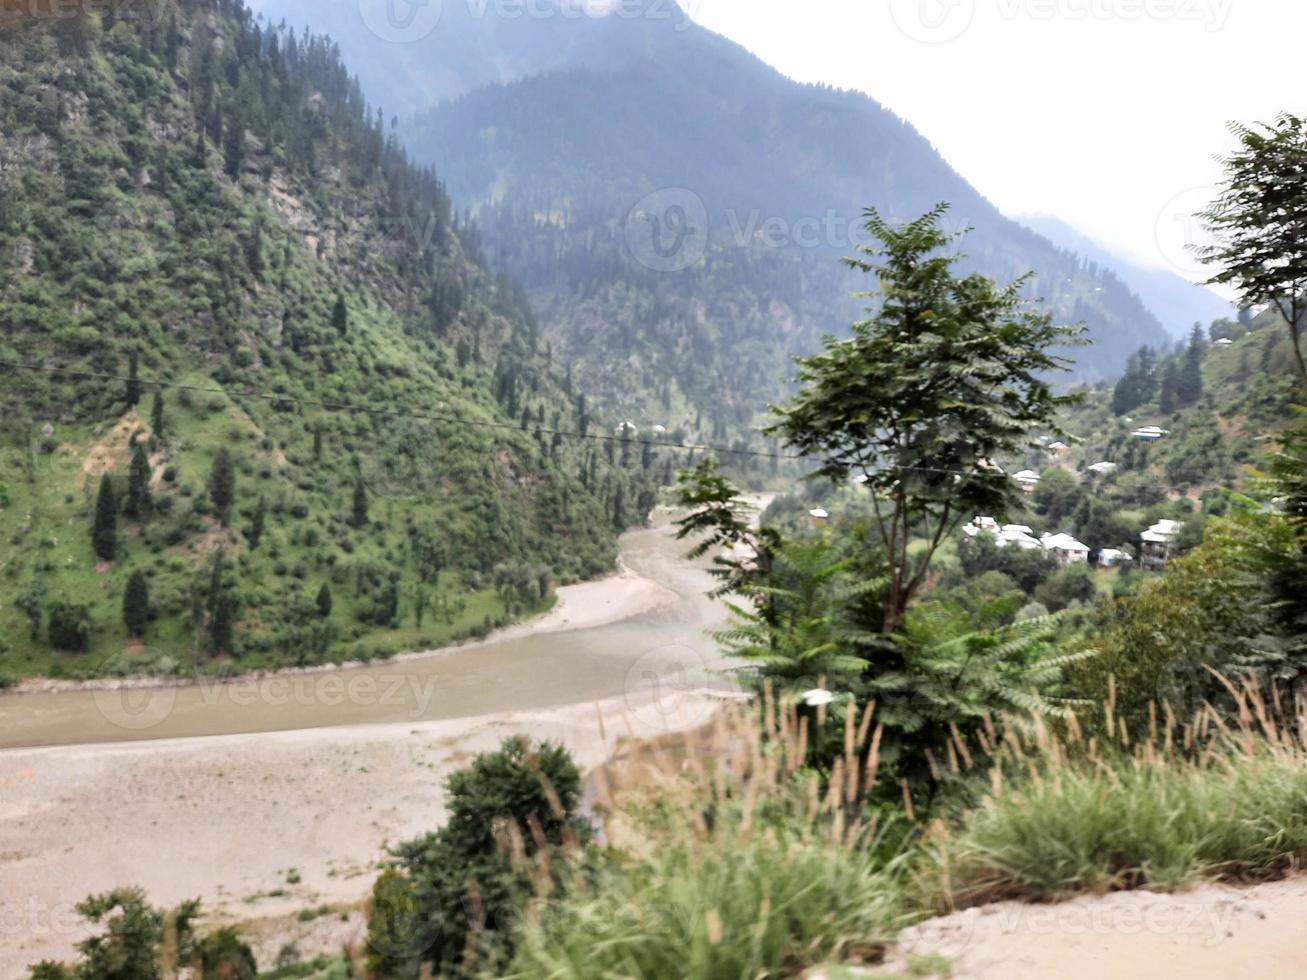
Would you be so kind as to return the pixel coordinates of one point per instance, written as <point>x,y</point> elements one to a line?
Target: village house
<point>1028,480</point>
<point>1150,433</point>
<point>1066,549</point>
<point>1155,545</point>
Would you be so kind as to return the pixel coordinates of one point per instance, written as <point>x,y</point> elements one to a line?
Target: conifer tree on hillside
<point>1138,385</point>
<point>157,421</point>
<point>222,486</point>
<point>136,604</point>
<point>138,485</point>
<point>340,315</point>
<point>359,510</point>
<point>1169,400</point>
<point>257,524</point>
<point>104,532</point>
<point>324,601</point>
<point>1189,384</point>
<point>132,396</point>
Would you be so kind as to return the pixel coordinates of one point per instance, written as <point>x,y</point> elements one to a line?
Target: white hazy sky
<point>1106,113</point>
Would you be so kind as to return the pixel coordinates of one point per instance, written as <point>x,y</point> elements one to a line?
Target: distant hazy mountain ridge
<point>677,208</point>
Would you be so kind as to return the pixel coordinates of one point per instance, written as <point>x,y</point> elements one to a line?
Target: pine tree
<point>138,485</point>
<point>324,601</point>
<point>222,486</point>
<point>1170,400</point>
<point>132,396</point>
<point>104,532</point>
<point>1189,387</point>
<point>317,443</point>
<point>619,508</point>
<point>221,607</point>
<point>136,604</point>
<point>340,315</point>
<point>233,147</point>
<point>157,421</point>
<point>257,523</point>
<point>359,517</point>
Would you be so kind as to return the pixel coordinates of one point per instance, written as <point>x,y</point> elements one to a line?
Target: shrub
<point>774,870</point>
<point>1076,820</point>
<point>69,626</point>
<point>455,893</point>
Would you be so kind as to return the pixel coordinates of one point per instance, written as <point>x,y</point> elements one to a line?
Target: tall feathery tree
<point>947,375</point>
<point>1260,221</point>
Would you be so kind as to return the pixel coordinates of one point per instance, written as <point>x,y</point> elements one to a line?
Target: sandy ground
<point>259,826</point>
<point>1214,931</point>
<point>264,826</point>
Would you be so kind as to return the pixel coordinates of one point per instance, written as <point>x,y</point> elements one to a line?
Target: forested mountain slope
<point>344,456</point>
<point>683,308</point>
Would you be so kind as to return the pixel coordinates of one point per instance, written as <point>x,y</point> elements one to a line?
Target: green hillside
<point>211,208</point>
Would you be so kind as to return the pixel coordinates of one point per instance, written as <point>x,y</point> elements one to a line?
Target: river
<point>266,798</point>
<point>657,650</point>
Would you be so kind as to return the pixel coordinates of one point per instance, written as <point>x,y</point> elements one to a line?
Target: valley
<point>507,492</point>
<point>339,772</point>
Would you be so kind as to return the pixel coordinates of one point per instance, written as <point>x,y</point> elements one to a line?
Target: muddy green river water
<point>650,659</point>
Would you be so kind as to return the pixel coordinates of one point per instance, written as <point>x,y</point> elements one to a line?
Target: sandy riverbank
<point>1214,932</point>
<point>235,818</point>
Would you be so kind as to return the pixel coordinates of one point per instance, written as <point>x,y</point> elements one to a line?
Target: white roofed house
<point>1027,480</point>
<point>1150,433</point>
<point>1059,448</point>
<point>1066,549</point>
<point>1103,469</point>
<point>1155,545</point>
<point>1009,535</point>
<point>1113,558</point>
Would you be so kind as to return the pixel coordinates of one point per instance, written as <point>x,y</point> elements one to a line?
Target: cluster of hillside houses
<point>1154,545</point>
